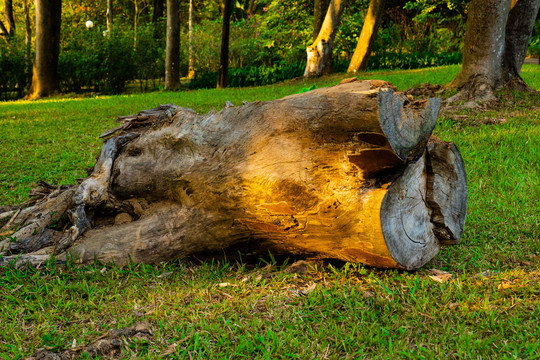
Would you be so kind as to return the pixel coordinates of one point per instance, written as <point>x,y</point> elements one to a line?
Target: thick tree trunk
<point>360,58</point>
<point>48,20</point>
<point>223,74</point>
<point>319,11</point>
<point>319,54</point>
<point>172,56</point>
<point>496,42</point>
<point>519,28</point>
<point>346,172</point>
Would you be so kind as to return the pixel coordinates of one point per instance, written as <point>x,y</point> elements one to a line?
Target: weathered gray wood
<point>340,172</point>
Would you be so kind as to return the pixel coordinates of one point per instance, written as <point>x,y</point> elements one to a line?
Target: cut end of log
<point>426,206</point>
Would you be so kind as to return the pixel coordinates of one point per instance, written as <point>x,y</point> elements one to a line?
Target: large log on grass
<point>348,172</point>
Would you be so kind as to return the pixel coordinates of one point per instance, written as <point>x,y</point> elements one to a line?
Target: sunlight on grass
<point>488,308</point>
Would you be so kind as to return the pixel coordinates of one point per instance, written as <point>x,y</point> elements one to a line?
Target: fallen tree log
<point>348,172</point>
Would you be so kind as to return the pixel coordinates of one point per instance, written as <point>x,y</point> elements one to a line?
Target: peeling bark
<point>319,54</point>
<point>346,172</point>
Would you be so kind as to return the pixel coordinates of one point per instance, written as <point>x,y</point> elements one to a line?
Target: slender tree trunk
<point>10,20</point>
<point>191,60</point>
<point>252,8</point>
<point>109,15</point>
<point>172,56</point>
<point>368,35</point>
<point>319,11</point>
<point>157,13</point>
<point>135,23</point>
<point>223,75</point>
<point>519,28</point>
<point>45,76</point>
<point>3,30</point>
<point>319,54</point>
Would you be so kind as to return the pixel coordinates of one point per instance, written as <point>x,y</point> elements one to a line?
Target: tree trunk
<point>172,56</point>
<point>10,20</point>
<point>367,38</point>
<point>191,60</point>
<point>319,54</point>
<point>157,13</point>
<point>319,12</point>
<point>109,15</point>
<point>519,28</point>
<point>346,172</point>
<point>496,42</point>
<point>223,75</point>
<point>45,75</point>
<point>27,36</point>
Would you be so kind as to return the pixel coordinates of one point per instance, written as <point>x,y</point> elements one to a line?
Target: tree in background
<point>191,60</point>
<point>223,74</point>
<point>319,11</point>
<point>359,60</point>
<point>496,42</point>
<point>109,15</point>
<point>45,79</point>
<point>319,54</point>
<point>172,57</point>
<point>8,29</point>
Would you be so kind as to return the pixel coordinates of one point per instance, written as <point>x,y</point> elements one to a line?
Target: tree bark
<point>360,58</point>
<point>519,29</point>
<point>346,172</point>
<point>109,15</point>
<point>223,74</point>
<point>319,11</point>
<point>319,54</point>
<point>45,79</point>
<point>496,42</point>
<point>172,56</point>
<point>191,60</point>
<point>27,36</point>
<point>157,13</point>
<point>10,20</point>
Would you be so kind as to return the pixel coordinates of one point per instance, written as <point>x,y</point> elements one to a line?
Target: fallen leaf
<point>225,284</point>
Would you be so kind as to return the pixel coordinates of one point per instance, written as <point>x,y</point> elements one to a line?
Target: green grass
<point>263,312</point>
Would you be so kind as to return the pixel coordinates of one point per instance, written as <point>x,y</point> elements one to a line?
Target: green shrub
<point>250,76</point>
<point>15,75</point>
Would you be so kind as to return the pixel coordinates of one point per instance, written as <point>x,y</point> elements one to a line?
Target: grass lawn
<point>488,308</point>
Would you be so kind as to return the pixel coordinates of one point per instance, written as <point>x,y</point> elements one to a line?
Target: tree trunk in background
<point>172,56</point>
<point>319,54</point>
<point>191,60</point>
<point>27,36</point>
<point>157,13</point>
<point>319,12</point>
<point>3,30</point>
<point>349,172</point>
<point>252,8</point>
<point>223,75</point>
<point>359,60</point>
<point>109,15</point>
<point>519,28</point>
<point>45,80</point>
<point>10,20</point>
<point>496,41</point>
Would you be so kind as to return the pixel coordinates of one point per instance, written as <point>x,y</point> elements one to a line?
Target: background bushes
<point>266,47</point>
